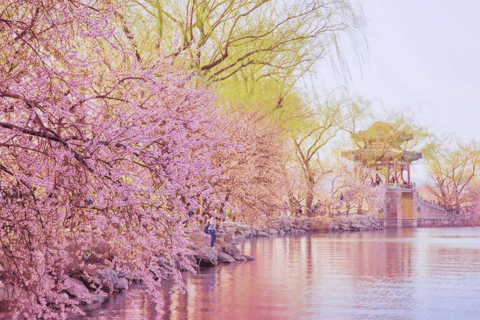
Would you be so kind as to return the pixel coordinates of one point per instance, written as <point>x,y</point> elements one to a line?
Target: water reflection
<point>392,274</point>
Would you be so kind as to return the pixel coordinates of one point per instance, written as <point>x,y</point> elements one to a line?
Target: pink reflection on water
<point>393,274</point>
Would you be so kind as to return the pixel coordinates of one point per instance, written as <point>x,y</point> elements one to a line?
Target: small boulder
<point>272,232</point>
<point>101,297</point>
<point>120,284</point>
<point>107,276</point>
<point>240,232</point>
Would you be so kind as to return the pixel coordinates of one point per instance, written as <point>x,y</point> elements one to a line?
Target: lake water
<point>392,274</point>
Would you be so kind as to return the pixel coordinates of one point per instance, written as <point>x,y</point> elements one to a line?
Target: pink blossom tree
<point>350,190</point>
<point>98,149</point>
<point>251,166</point>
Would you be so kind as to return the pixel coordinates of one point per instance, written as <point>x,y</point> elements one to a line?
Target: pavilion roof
<point>367,155</point>
<point>381,131</point>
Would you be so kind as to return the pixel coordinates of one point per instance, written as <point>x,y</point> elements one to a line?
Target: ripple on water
<point>393,274</point>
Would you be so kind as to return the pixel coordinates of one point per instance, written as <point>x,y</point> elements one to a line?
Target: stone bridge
<point>404,208</point>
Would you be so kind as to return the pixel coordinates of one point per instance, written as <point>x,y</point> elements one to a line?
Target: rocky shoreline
<point>95,284</point>
<point>231,233</point>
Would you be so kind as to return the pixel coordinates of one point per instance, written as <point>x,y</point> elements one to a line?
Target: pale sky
<point>424,54</point>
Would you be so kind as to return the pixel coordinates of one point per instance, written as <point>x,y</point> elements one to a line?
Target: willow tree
<point>322,126</point>
<point>247,41</point>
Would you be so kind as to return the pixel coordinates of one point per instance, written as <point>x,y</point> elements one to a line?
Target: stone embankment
<point>237,232</point>
<point>230,233</point>
<point>355,223</point>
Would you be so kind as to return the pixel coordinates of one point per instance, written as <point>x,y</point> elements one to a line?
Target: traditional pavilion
<point>380,149</point>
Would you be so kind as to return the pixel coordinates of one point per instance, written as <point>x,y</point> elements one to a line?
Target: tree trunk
<point>292,203</point>
<point>360,207</point>
<point>308,203</point>
<point>309,196</point>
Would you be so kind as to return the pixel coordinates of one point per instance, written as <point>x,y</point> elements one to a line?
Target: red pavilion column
<point>388,174</point>
<point>395,176</point>
<point>408,175</point>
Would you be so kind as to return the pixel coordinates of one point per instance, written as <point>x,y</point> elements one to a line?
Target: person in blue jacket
<point>212,227</point>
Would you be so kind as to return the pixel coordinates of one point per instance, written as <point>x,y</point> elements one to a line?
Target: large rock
<point>133,277</point>
<point>229,231</point>
<point>199,240</point>
<point>262,234</point>
<point>242,225</point>
<point>206,257</point>
<point>272,232</point>
<point>77,290</point>
<point>100,297</point>
<point>345,227</point>
<point>87,277</point>
<point>107,276</point>
<point>231,249</point>
<point>237,239</point>
<point>225,258</point>
<point>240,232</point>
<point>229,224</point>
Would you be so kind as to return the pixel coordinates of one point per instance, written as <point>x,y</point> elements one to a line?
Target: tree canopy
<point>249,41</point>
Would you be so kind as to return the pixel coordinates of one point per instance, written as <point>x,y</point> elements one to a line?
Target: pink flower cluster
<point>100,153</point>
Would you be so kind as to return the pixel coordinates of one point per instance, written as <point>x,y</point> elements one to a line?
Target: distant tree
<point>349,189</point>
<point>453,165</point>
<point>293,185</point>
<point>472,203</point>
<point>321,126</point>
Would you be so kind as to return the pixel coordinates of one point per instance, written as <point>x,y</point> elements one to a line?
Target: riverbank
<point>93,285</point>
<point>342,275</point>
<point>231,233</point>
<point>225,251</point>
